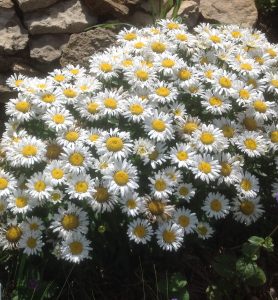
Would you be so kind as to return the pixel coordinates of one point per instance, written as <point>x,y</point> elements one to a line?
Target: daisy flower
<point>186,126</point>
<point>75,71</point>
<point>160,185</point>
<point>182,155</point>
<point>247,185</point>
<point>20,202</point>
<point>131,204</point>
<point>143,147</point>
<point>70,220</point>
<point>185,219</point>
<point>247,121</point>
<point>215,103</point>
<point>230,168</point>
<point>56,196</point>
<point>163,93</point>
<point>20,108</point>
<point>205,167</point>
<point>224,82</point>
<point>229,127</point>
<point>272,82</point>
<point>272,136</point>
<point>244,94</point>
<point>261,109</point>
<point>156,157</point>
<point>140,231</point>
<point>10,234</point>
<point>53,150</point>
<point>102,199</point>
<point>31,243</point>
<point>7,183</point>
<point>92,135</point>
<point>39,187</point>
<point>75,248</point>
<point>169,236</point>
<point>247,210</point>
<point>55,171</point>
<point>3,205</point>
<point>33,224</point>
<point>167,63</point>
<point>204,230</point>
<point>185,191</point>
<point>122,178</point>
<point>17,81</point>
<point>251,143</point>
<point>159,126</point>
<point>216,206</point>
<point>72,135</point>
<point>89,108</point>
<point>44,100</point>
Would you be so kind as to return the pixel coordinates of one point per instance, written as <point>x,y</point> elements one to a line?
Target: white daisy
<point>20,108</point>
<point>131,204</point>
<point>31,243</point>
<point>7,183</point>
<point>39,187</point>
<point>160,185</point>
<point>216,206</point>
<point>185,219</point>
<point>20,202</point>
<point>140,231</point>
<point>247,185</point>
<point>185,191</point>
<point>182,155</point>
<point>169,236</point>
<point>204,230</point>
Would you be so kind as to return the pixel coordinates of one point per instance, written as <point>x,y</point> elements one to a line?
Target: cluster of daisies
<point>163,122</point>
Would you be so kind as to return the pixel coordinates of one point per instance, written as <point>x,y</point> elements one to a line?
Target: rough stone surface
<point>47,48</point>
<point>13,37</point>
<point>230,11</point>
<point>140,18</point>
<point>6,4</point>
<point>67,16</point>
<point>81,46</point>
<point>5,91</point>
<point>30,5</point>
<point>189,10</point>
<point>24,68</point>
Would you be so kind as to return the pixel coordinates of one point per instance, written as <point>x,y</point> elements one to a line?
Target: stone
<point>140,18</point>
<point>47,48</point>
<point>68,16</point>
<point>13,37</point>
<point>189,11</point>
<point>5,92</point>
<point>239,12</point>
<point>24,68</point>
<point>82,45</point>
<point>6,4</point>
<point>30,5</point>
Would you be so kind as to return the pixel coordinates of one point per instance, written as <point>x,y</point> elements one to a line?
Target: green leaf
<point>251,251</point>
<point>185,296</point>
<point>268,244</point>
<point>258,278</point>
<point>256,240</point>
<point>224,265</point>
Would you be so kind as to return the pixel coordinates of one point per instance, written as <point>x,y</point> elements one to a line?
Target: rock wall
<point>37,36</point>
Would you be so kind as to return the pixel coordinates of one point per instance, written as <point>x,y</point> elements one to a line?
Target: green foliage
<point>160,8</point>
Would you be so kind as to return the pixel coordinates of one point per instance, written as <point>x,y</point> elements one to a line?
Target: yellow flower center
<point>76,159</point>
<point>121,178</point>
<point>173,25</point>
<point>18,82</point>
<point>76,248</point>
<point>110,103</point>
<point>13,234</point>
<point>184,74</point>
<point>34,226</point>
<point>55,197</point>
<point>246,67</point>
<point>202,230</point>
<point>207,138</point>
<point>215,101</point>
<point>246,184</point>
<point>181,37</point>
<point>131,203</point>
<point>81,187</point>
<point>59,77</point>
<point>204,167</point>
<point>274,82</point>
<point>158,47</point>
<point>136,109</point>
<point>70,93</point>
<point>247,207</point>
<point>182,155</point>
<point>22,106</point>
<point>53,151</point>
<point>252,81</point>
<point>250,144</point>
<point>236,34</point>
<point>92,107</point>
<point>139,231</point>
<point>42,86</point>
<point>158,125</point>
<point>139,45</point>
<point>169,236</point>
<point>72,136</point>
<point>183,191</point>
<point>20,202</point>
<point>216,205</point>
<point>183,221</point>
<point>142,75</point>
<point>259,60</point>
<point>48,98</point>
<point>160,185</point>
<point>226,169</point>
<point>154,155</point>
<point>260,106</point>
<point>93,137</point>
<point>130,36</point>
<point>31,242</point>
<point>156,207</point>
<point>127,62</point>
<point>208,74</point>
<point>84,88</point>
<point>39,186</point>
<point>162,91</point>
<point>70,221</point>
<point>101,195</point>
<point>225,82</point>
<point>105,67</point>
<point>3,183</point>
<point>215,39</point>
<point>271,52</point>
<point>58,119</point>
<point>244,94</point>
<point>74,71</point>
<point>168,63</point>
<point>250,124</point>
<point>29,150</point>
<point>114,144</point>
<point>189,127</point>
<point>274,136</point>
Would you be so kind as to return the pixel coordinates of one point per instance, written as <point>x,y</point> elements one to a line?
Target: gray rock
<point>47,48</point>
<point>13,37</point>
<point>102,7</point>
<point>30,5</point>
<point>67,16</point>
<point>239,12</point>
<point>6,4</point>
<point>82,45</point>
<point>189,10</point>
<point>140,18</point>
